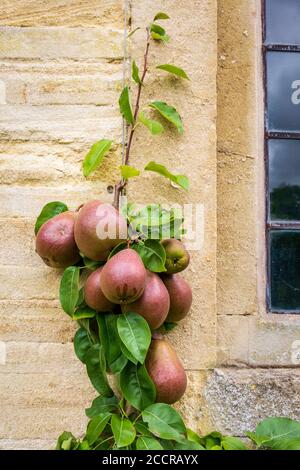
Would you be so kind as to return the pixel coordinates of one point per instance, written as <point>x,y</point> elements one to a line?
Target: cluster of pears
<point>123,284</point>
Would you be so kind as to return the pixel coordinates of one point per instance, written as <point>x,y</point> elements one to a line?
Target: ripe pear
<point>99,227</point>
<point>55,242</point>
<point>166,371</point>
<point>177,257</point>
<point>180,297</point>
<point>93,294</point>
<point>123,277</point>
<point>154,304</point>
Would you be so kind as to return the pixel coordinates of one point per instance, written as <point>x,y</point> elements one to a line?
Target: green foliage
<point>83,312</point>
<point>148,443</point>
<point>123,430</point>
<point>181,180</point>
<point>161,16</point>
<point>102,405</point>
<point>277,434</point>
<point>164,422</point>
<point>95,156</point>
<point>82,344</point>
<point>109,338</point>
<point>49,211</point>
<point>153,255</point>
<point>173,69</point>
<point>69,290</point>
<point>66,441</point>
<point>135,333</point>
<point>154,127</point>
<point>136,386</point>
<point>128,171</point>
<point>90,264</point>
<point>96,370</point>
<point>96,426</point>
<point>169,113</point>
<point>135,73</point>
<point>158,33</point>
<point>125,105</point>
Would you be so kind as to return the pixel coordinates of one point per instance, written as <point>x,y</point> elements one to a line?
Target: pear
<point>99,227</point>
<point>123,277</point>
<point>177,257</point>
<point>55,242</point>
<point>93,294</point>
<point>154,304</point>
<point>166,371</point>
<point>180,297</point>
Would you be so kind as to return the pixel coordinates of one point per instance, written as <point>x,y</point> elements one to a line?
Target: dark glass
<point>283,91</point>
<point>282,22</point>
<point>285,270</point>
<point>284,179</point>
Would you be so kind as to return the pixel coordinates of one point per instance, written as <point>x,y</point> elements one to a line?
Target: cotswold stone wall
<point>61,67</point>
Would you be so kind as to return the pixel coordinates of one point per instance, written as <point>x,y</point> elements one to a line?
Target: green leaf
<point>164,422</point>
<point>277,434</point>
<point>154,127</point>
<point>168,112</point>
<point>125,106</point>
<point>127,353</point>
<point>193,436</point>
<point>137,386</point>
<point>66,441</point>
<point>188,445</point>
<point>109,338</point>
<point>80,302</point>
<point>102,405</point>
<point>158,33</point>
<point>132,32</point>
<point>123,430</point>
<point>49,211</point>
<point>148,443</point>
<point>96,369</point>
<point>92,265</point>
<point>84,445</point>
<point>161,16</point>
<point>135,333</point>
<point>69,289</point>
<point>82,344</point>
<point>84,312</point>
<point>181,180</point>
<point>232,443</point>
<point>152,254</point>
<point>142,429</point>
<point>135,73</point>
<point>129,171</point>
<point>96,426</point>
<point>87,324</point>
<point>95,156</point>
<point>174,70</point>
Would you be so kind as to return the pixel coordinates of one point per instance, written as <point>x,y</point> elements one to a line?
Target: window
<point>282,135</point>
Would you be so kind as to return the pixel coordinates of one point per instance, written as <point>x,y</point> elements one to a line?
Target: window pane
<point>283,91</point>
<point>284,179</point>
<point>285,270</point>
<point>282,20</point>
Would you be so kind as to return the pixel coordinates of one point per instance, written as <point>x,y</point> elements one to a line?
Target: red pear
<point>180,297</point>
<point>123,277</point>
<point>166,371</point>
<point>154,304</point>
<point>99,227</point>
<point>55,241</point>
<point>93,294</point>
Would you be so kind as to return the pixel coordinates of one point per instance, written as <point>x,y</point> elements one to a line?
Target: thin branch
<point>119,187</point>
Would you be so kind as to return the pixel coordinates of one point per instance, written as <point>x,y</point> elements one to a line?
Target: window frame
<point>269,224</point>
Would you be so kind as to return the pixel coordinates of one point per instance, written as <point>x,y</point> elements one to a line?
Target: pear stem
<point>119,187</point>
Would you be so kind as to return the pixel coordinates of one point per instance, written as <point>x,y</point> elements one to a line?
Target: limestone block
<point>60,12</point>
<point>238,399</point>
<point>27,444</point>
<point>61,43</point>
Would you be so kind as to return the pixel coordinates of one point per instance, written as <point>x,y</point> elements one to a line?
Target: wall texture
<point>60,77</point>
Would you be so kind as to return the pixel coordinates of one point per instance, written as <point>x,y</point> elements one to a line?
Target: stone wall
<point>61,67</point>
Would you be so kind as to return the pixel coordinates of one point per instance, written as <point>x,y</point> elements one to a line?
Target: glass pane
<point>283,91</point>
<point>284,179</point>
<point>282,21</point>
<point>285,270</point>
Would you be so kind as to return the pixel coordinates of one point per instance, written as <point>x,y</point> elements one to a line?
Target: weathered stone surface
<point>258,342</point>
<point>59,123</point>
<point>38,321</point>
<point>60,12</point>
<point>61,43</point>
<point>239,399</point>
<point>27,444</point>
<point>192,154</point>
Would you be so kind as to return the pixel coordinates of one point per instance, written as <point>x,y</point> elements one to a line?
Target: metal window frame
<point>273,225</point>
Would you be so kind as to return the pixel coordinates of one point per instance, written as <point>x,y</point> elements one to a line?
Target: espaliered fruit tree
<point>121,284</point>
